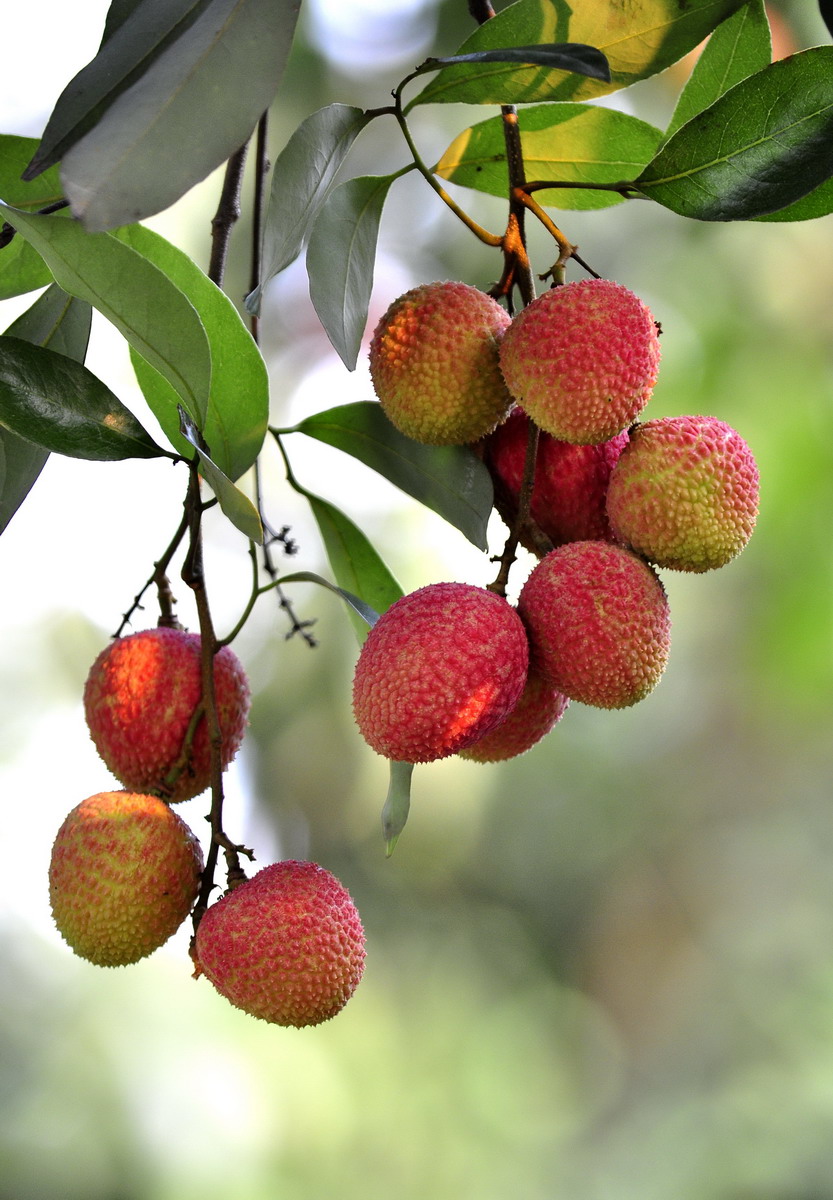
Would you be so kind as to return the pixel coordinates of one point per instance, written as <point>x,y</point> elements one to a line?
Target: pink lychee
<point>539,709</point>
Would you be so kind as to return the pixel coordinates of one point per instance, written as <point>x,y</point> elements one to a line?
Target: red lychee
<point>540,707</point>
<point>438,670</point>
<point>124,874</point>
<point>685,493</point>
<point>568,498</point>
<point>598,623</point>
<point>286,946</point>
<point>582,359</point>
<point>139,700</point>
<point>434,364</point>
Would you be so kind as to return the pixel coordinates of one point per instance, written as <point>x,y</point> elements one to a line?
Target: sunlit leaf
<point>583,60</point>
<point>234,503</point>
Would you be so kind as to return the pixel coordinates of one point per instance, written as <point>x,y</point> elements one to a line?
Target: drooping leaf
<point>565,142</point>
<point>450,480</point>
<point>59,405</point>
<point>739,47</point>
<point>235,504</point>
<point>368,615</point>
<point>21,268</point>
<point>582,60</point>
<point>301,178</point>
<point>397,804</point>
<point>57,321</point>
<point>340,260</point>
<point>639,39</point>
<point>765,143</point>
<point>238,400</point>
<point>141,301</point>
<point>175,90</point>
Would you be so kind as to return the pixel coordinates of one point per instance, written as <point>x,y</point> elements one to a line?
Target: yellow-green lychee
<point>286,946</point>
<point>438,670</point>
<point>539,709</point>
<point>140,701</point>
<point>582,359</point>
<point>124,874</point>
<point>685,493</point>
<point>434,364</point>
<point>598,622</point>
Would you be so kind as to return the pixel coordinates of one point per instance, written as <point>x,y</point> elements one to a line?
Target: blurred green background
<point>601,971</point>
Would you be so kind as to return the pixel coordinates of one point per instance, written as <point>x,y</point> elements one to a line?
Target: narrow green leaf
<point>450,480</point>
<point>397,804</point>
<point>368,615</point>
<point>145,306</point>
<point>340,260</point>
<point>59,405</point>
<point>764,144</point>
<point>564,142</point>
<point>302,176</point>
<point>582,60</point>
<point>639,39</point>
<point>739,47</point>
<point>21,268</point>
<point>234,503</point>
<point>238,400</point>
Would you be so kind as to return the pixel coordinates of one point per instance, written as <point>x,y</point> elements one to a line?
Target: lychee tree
<point>177,90</point>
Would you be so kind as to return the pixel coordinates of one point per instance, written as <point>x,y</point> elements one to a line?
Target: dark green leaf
<point>739,47</point>
<point>450,480</point>
<point>764,144</point>
<point>818,203</point>
<point>368,615</point>
<point>59,405</point>
<point>234,503</point>
<point>826,10</point>
<point>238,401</point>
<point>302,177</point>
<point>639,39</point>
<point>578,142</point>
<point>145,306</point>
<point>117,14</point>
<point>397,804</point>
<point>340,260</point>
<point>582,60</point>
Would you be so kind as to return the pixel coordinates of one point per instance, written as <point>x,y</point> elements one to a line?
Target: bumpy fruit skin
<point>598,623</point>
<point>685,493</point>
<point>568,497</point>
<point>582,359</point>
<point>434,364</point>
<point>287,946</point>
<point>540,707</point>
<point>139,700</point>
<point>438,670</point>
<point>124,874</point>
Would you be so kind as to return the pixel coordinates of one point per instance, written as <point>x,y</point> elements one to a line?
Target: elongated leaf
<point>174,92</point>
<point>582,60</point>
<point>63,324</point>
<point>450,480</point>
<point>739,47</point>
<point>368,615</point>
<point>397,804</point>
<point>301,178</point>
<point>340,260</point>
<point>59,405</point>
<point>238,400</point>
<point>235,504</point>
<point>639,39</point>
<point>21,268</point>
<point>145,306</point>
<point>565,142</point>
<point>818,203</point>
<point>764,144</point>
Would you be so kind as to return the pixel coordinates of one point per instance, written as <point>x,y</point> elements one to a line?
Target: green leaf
<point>63,324</point>
<point>21,268</point>
<point>340,260</point>
<point>583,60</point>
<point>639,39</point>
<point>565,142</point>
<point>397,804</point>
<point>145,306</point>
<point>818,203</point>
<point>234,503</point>
<point>368,615</point>
<point>739,47</point>
<point>301,178</point>
<point>175,90</point>
<point>764,144</point>
<point>238,402</point>
<point>450,480</point>
<point>59,405</point>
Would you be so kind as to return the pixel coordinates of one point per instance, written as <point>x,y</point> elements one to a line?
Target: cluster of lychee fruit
<point>286,945</point>
<point>456,669</point>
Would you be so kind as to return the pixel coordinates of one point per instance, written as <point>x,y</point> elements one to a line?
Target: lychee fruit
<point>434,364</point>
<point>286,946</point>
<point>685,493</point>
<point>598,623</point>
<point>539,709</point>
<point>568,496</point>
<point>140,700</point>
<point>124,874</point>
<point>582,359</point>
<point>438,670</point>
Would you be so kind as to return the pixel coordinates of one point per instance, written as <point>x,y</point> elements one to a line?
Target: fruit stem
<point>163,587</point>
